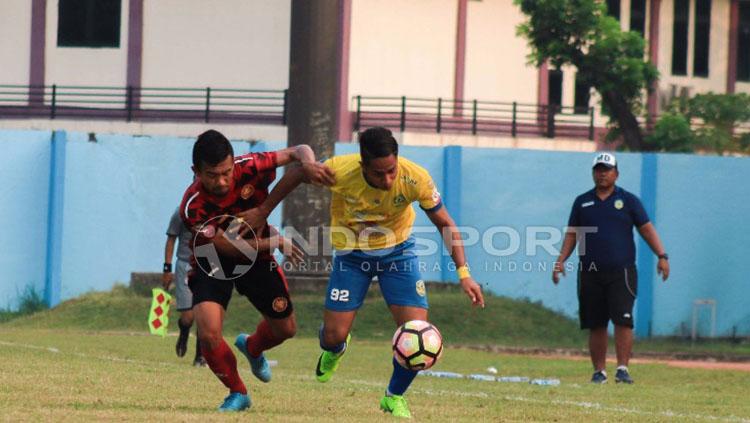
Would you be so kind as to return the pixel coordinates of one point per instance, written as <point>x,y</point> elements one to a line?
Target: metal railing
<point>270,107</point>
<point>473,116</point>
<point>144,103</point>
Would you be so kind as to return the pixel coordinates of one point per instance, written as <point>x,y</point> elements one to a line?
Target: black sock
<point>198,353</point>
<point>184,329</point>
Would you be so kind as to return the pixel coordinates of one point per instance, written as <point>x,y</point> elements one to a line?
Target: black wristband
<point>167,267</point>
<point>664,256</point>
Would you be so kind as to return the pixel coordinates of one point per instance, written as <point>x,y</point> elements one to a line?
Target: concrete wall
<point>24,198</point>
<point>402,48</point>
<point>119,192</point>
<point>702,214</point>
<point>221,44</point>
<point>85,66</point>
<point>496,66</point>
<point>15,41</point>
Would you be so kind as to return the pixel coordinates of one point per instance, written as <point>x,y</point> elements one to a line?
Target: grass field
<point>91,360</point>
<point>54,375</point>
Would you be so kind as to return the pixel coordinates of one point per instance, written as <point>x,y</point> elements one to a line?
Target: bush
<point>671,133</point>
<point>720,114</point>
<point>30,302</point>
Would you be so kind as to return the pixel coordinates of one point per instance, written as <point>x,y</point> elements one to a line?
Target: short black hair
<point>211,148</point>
<point>375,143</point>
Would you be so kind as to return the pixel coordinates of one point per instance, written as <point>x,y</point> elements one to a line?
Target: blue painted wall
<point>120,191</point>
<point>702,216</point>
<point>24,196</point>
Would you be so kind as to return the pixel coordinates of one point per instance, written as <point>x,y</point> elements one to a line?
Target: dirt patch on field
<point>688,364</point>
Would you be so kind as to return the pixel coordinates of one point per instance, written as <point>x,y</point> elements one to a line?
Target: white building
<point>449,49</point>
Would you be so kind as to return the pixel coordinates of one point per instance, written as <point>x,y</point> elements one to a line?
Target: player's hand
<point>473,290</point>
<point>557,269</point>
<point>253,219</point>
<point>291,252</point>
<point>166,279</point>
<point>662,268</point>
<point>318,174</point>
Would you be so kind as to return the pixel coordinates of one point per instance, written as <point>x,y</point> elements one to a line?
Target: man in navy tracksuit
<point>602,221</point>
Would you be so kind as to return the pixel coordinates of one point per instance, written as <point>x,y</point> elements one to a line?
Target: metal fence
<point>270,107</point>
<point>473,116</point>
<point>144,103</point>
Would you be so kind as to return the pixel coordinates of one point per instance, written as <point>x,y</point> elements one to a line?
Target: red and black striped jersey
<point>252,175</point>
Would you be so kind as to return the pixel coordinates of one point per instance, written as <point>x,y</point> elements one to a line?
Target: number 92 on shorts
<point>397,271</point>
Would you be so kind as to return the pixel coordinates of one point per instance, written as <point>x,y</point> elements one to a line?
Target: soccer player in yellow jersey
<point>371,223</point>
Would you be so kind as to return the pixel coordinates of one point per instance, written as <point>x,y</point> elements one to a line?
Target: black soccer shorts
<point>264,285</point>
<point>605,296</point>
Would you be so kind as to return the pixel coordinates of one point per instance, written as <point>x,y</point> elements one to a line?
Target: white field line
<point>442,392</point>
<point>578,404</point>
<point>87,356</point>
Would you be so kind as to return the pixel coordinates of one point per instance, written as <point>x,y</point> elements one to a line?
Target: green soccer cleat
<point>328,362</point>
<point>396,405</point>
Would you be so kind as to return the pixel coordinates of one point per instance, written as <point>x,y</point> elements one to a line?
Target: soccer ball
<point>417,345</point>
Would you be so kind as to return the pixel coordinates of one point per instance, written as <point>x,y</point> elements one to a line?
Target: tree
<point>580,33</point>
<point>671,133</point>
<point>719,115</point>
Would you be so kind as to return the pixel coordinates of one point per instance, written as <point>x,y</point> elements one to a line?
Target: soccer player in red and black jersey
<point>224,256</point>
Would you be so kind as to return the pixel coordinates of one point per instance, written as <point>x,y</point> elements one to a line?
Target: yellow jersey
<point>367,218</point>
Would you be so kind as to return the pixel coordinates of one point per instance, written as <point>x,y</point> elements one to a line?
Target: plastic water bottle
<point>485,378</point>
<point>545,382</point>
<point>513,379</point>
<point>447,375</point>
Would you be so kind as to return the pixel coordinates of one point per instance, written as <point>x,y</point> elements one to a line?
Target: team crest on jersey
<point>399,200</point>
<point>408,180</point>
<point>247,191</point>
<point>619,204</point>
<point>421,290</point>
<point>279,304</point>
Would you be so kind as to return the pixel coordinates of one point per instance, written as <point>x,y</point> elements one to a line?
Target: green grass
<point>90,359</point>
<point>504,322</point>
<point>76,375</point>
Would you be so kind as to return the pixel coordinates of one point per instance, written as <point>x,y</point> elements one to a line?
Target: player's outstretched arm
<point>453,242</point>
<point>229,244</point>
<point>309,171</point>
<point>255,218</point>
<point>314,172</point>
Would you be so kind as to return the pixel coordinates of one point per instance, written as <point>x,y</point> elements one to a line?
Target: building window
<point>88,23</point>
<point>680,37</point>
<point>613,8</point>
<point>555,87</point>
<point>743,43</point>
<point>702,36</point>
<point>638,16</point>
<point>582,97</point>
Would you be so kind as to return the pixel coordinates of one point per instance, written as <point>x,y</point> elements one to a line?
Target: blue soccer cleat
<point>623,376</point>
<point>259,365</point>
<point>599,377</point>
<point>235,402</point>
